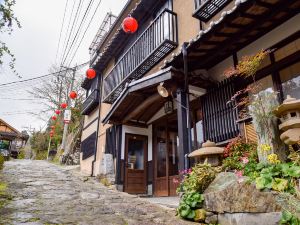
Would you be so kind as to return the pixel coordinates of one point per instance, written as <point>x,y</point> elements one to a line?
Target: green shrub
<point>21,155</point>
<point>189,207</point>
<point>200,176</point>
<point>41,155</point>
<point>238,153</point>
<point>1,161</point>
<point>289,219</point>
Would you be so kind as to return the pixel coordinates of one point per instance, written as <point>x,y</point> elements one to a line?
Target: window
<point>198,133</point>
<point>264,85</point>
<point>290,78</point>
<point>287,50</point>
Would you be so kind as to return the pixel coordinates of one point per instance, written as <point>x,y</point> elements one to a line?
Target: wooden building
<point>182,47</point>
<point>15,139</point>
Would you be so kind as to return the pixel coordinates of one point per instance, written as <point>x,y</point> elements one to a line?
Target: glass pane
<point>136,154</point>
<point>264,85</point>
<point>173,152</point>
<point>290,78</point>
<point>200,136</point>
<point>161,137</point>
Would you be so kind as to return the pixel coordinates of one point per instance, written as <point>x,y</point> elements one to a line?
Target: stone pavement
<point>44,193</point>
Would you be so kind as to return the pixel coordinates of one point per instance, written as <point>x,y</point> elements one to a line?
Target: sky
<point>35,47</point>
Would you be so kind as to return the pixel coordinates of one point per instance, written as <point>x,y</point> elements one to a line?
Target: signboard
<point>67,116</point>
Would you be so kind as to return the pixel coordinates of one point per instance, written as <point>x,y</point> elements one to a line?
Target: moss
<point>1,161</point>
<point>4,196</point>
<point>34,219</point>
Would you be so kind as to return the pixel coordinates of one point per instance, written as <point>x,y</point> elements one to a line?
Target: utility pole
<point>49,145</point>
<point>66,125</point>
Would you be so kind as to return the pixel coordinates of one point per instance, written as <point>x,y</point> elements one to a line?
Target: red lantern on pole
<point>73,95</point>
<point>90,73</point>
<point>57,112</point>
<point>130,25</point>
<point>63,105</point>
<point>54,117</point>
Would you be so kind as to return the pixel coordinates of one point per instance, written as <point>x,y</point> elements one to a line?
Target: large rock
<point>249,218</point>
<point>226,194</point>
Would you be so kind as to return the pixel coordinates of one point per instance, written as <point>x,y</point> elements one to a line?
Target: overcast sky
<point>35,47</point>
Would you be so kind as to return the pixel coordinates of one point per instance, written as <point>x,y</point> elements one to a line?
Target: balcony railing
<point>91,102</point>
<point>159,39</point>
<point>206,9</point>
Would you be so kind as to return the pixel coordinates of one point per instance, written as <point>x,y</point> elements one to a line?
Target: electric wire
<point>61,29</point>
<point>79,29</point>
<point>85,31</point>
<point>39,77</point>
<point>71,31</point>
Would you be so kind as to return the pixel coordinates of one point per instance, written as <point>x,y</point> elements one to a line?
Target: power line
<point>67,31</point>
<point>85,32</point>
<point>39,77</point>
<point>61,29</point>
<point>76,15</point>
<point>79,28</point>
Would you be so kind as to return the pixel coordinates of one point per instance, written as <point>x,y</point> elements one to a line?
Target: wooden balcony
<point>158,40</point>
<point>91,102</point>
<point>206,9</point>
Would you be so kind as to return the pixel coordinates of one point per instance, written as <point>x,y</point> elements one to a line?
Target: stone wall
<point>229,201</point>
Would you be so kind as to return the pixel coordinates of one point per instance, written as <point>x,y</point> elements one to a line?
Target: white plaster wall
<point>139,131</point>
<point>273,37</point>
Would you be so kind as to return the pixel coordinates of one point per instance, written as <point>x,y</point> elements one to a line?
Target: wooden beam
<point>182,129</point>
<point>264,4</point>
<point>152,99</point>
<point>252,26</point>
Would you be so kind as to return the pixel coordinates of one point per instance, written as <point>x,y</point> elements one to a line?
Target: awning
<point>244,23</point>
<point>140,101</point>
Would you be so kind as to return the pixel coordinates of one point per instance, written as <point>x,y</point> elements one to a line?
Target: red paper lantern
<point>90,73</point>
<point>52,127</point>
<point>63,105</point>
<point>73,94</point>
<point>130,25</point>
<point>54,117</point>
<point>57,112</point>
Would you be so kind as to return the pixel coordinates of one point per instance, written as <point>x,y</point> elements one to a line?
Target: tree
<point>51,93</point>
<point>7,20</point>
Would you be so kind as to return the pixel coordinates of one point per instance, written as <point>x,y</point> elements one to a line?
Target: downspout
<point>186,90</point>
<point>98,124</point>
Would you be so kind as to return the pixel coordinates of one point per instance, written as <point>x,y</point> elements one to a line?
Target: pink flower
<point>189,171</point>
<point>175,181</point>
<point>239,173</point>
<point>244,160</point>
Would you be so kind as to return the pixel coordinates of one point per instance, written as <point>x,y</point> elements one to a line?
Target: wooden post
<point>182,129</point>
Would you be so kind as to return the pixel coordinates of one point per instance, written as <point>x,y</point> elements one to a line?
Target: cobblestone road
<point>44,193</point>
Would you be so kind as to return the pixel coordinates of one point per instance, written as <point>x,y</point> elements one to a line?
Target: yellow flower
<point>265,148</point>
<point>273,159</point>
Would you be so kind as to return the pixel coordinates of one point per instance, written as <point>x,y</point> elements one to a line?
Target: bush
<point>21,155</point>
<point>41,155</point>
<point>200,176</point>
<point>1,161</point>
<point>238,154</point>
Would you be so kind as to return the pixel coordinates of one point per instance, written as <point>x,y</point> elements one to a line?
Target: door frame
<point>142,137</point>
<point>165,121</point>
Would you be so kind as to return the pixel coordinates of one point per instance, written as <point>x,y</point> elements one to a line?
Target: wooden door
<point>165,157</point>
<point>135,164</point>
